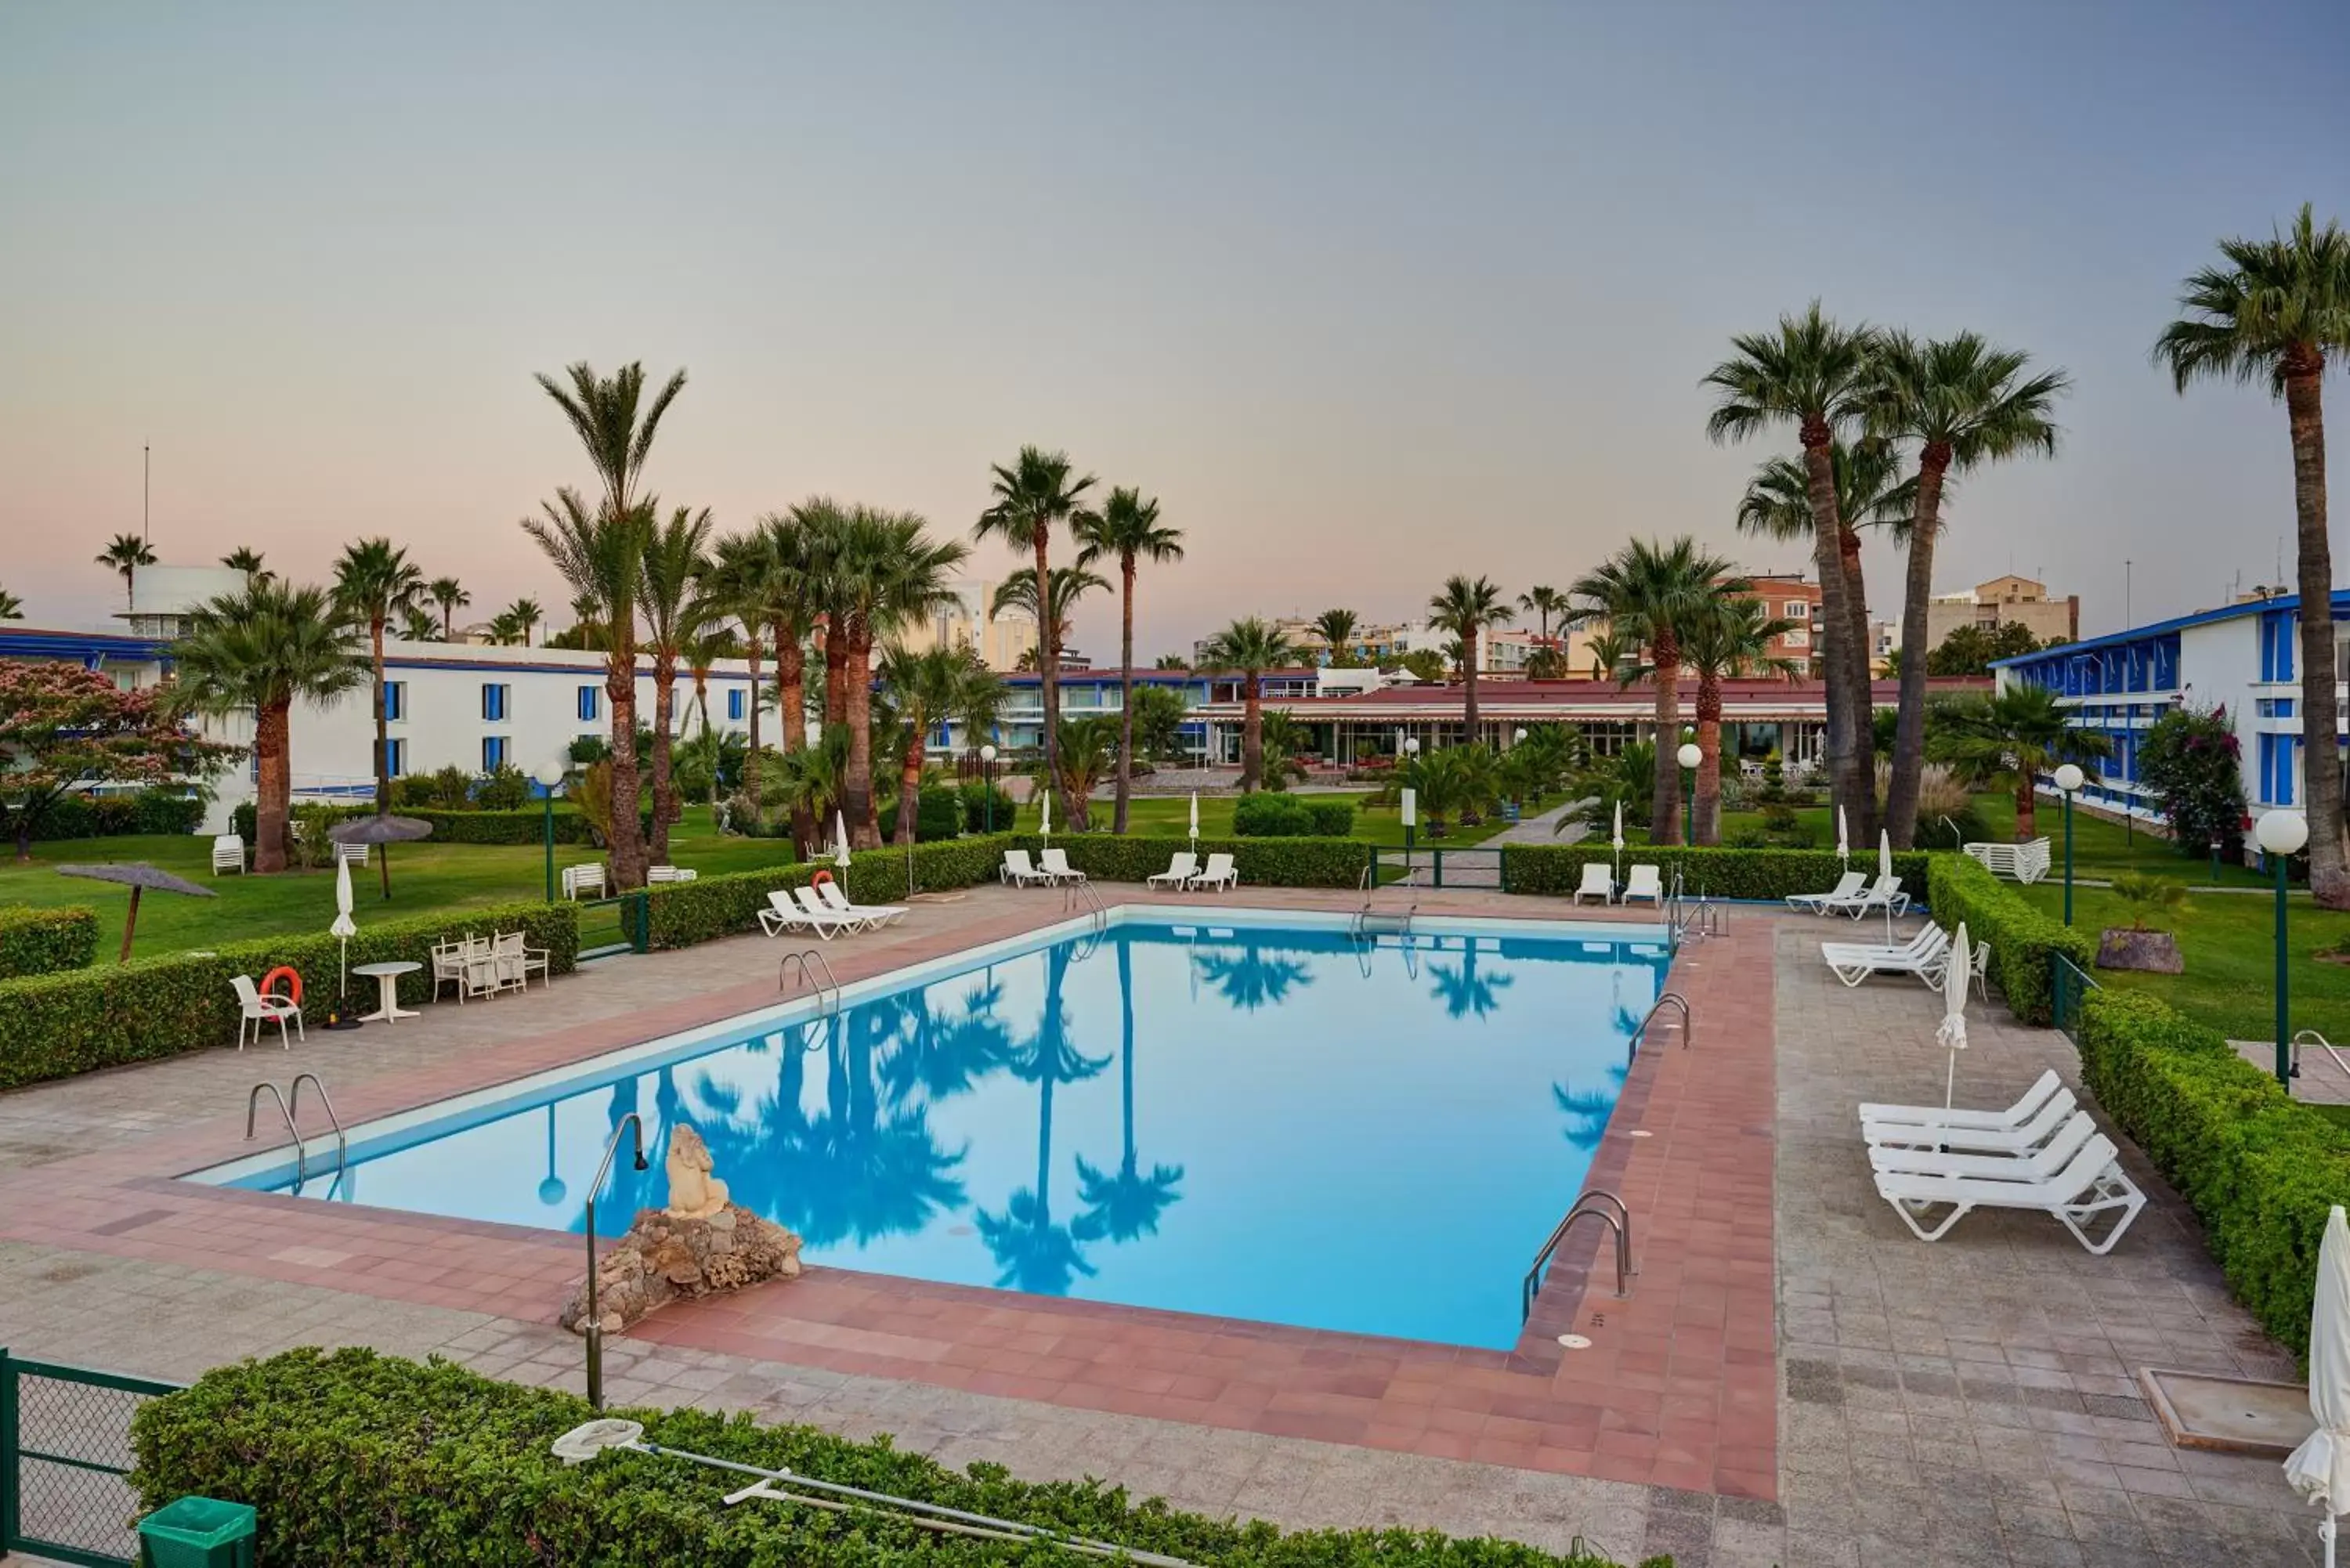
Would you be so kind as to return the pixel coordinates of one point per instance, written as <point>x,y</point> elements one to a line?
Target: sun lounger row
<point>2043,1153</point>
<point>2026,862</point>
<point>1926,955</point>
<point>1051,868</point>
<point>1854,894</point>
<point>824,909</point>
<point>1645,882</point>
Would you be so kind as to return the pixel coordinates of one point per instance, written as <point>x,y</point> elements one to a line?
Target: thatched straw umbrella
<point>382,831</point>
<point>137,876</point>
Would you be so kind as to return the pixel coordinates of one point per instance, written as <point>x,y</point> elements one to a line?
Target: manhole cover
<point>2229,1414</point>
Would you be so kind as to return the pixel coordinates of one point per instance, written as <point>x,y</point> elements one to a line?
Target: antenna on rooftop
<point>146,467</point>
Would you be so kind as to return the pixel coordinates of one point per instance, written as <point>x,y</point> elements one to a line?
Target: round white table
<point>387,978</point>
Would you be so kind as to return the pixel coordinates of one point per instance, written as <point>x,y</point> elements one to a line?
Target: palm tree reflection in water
<point>1253,977</point>
<point>1124,1204</point>
<point>1034,1253</point>
<point>1462,989</point>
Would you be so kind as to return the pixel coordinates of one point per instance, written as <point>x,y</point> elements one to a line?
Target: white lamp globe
<point>1689,755</point>
<point>987,753</point>
<point>1520,733</point>
<point>550,773</point>
<point>2069,778</point>
<point>2281,832</point>
<point>1411,746</point>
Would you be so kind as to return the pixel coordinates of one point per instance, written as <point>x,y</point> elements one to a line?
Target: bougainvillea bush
<point>2192,761</point>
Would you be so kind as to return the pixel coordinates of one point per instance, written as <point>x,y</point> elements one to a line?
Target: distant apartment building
<point>1793,597</point>
<point>2005,601</point>
<point>1000,641</point>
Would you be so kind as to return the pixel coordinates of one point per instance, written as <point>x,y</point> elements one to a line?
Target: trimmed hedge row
<point>1769,874</point>
<point>55,1025</point>
<point>360,1459</point>
<point>2260,1170</point>
<point>527,825</point>
<point>1261,862</point>
<point>1276,814</point>
<point>2023,938</point>
<point>684,913</point>
<point>113,815</point>
<point>43,941</point>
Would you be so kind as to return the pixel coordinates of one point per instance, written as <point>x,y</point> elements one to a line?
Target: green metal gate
<point>620,924</point>
<point>65,1450</point>
<point>2069,985</point>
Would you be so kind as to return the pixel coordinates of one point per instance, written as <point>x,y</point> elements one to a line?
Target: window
<point>2274,707</point>
<point>395,757</point>
<point>494,701</point>
<point>2276,769</point>
<point>589,701</point>
<point>1798,638</point>
<point>494,750</point>
<point>735,703</point>
<point>395,699</point>
<point>1796,609</point>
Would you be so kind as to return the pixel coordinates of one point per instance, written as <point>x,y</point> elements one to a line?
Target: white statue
<point>693,1192</point>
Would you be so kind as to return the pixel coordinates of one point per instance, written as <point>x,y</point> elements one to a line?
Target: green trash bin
<point>197,1532</point>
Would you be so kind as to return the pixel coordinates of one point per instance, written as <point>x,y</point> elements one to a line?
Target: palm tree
<point>1128,527</point>
<point>2273,313</point>
<point>1651,592</point>
<point>1814,374</point>
<point>1465,606</point>
<point>1730,637</point>
<point>738,579</point>
<point>1966,404</point>
<point>450,595</point>
<point>1070,583</point>
<point>1250,646</point>
<point>1033,497</point>
<point>601,552</point>
<point>505,630</point>
<point>1546,664</point>
<point>1610,652</point>
<point>930,688</point>
<point>247,559</point>
<point>259,651</point>
<point>675,613</point>
<point>1124,1204</point>
<point>125,555</point>
<point>1085,756</point>
<point>609,418</point>
<point>526,615</point>
<point>417,625</point>
<point>2008,741</point>
<point>1336,630</point>
<point>1544,603</point>
<point>1869,489</point>
<point>11,606</point>
<point>374,582</point>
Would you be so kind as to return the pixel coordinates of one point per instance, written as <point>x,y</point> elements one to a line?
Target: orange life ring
<point>293,983</point>
<point>819,879</point>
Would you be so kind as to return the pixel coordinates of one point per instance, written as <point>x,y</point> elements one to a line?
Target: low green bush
<point>2023,940</point>
<point>986,809</point>
<point>1766,873</point>
<point>1272,815</point>
<point>355,1458</point>
<point>526,825</point>
<point>113,815</point>
<point>938,813</point>
<point>2260,1170</point>
<point>1261,862</point>
<point>43,941</point>
<point>55,1025</point>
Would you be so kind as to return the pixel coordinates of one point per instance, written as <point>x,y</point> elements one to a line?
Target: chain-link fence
<point>65,1451</point>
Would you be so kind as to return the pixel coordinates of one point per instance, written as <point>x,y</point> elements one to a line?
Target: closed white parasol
<point>840,840</point>
<point>1953,1031</point>
<point>1844,839</point>
<point>345,928</point>
<point>2320,1468</point>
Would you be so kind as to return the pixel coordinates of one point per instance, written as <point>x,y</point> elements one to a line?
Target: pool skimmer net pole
<point>584,1443</point>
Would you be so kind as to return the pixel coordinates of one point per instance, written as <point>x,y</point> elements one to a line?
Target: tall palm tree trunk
<point>1469,681</point>
<point>627,848</point>
<point>835,670</point>
<point>665,805</point>
<point>1862,674</point>
<point>1909,732</point>
<point>910,785</point>
<point>791,712</point>
<point>1252,734</point>
<point>1844,704</point>
<point>2329,878</point>
<point>857,785</point>
<point>1048,670</point>
<point>751,752</point>
<point>2025,823</point>
<point>1705,795</point>
<point>273,787</point>
<point>1125,696</point>
<point>1664,796</point>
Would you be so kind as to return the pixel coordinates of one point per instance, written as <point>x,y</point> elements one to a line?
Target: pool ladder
<point>1368,921</point>
<point>1618,1220</point>
<point>1670,999</point>
<point>814,972</point>
<point>2312,1037</point>
<point>1077,894</point>
<point>289,1105</point>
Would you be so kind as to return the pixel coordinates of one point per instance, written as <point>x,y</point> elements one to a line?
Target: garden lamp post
<point>549,775</point>
<point>1410,801</point>
<point>987,781</point>
<point>2280,835</point>
<point>2069,778</point>
<point>1688,756</point>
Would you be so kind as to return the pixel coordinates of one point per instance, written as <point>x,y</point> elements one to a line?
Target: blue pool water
<point>1269,1123</point>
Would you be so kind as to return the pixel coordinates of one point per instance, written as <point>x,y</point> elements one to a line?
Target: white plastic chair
<point>1055,862</point>
<point>1020,871</point>
<point>781,914</point>
<point>516,961</point>
<point>1219,873</point>
<point>1599,882</point>
<point>1848,887</point>
<point>228,853</point>
<point>256,1009</point>
<point>588,878</point>
<point>1925,955</point>
<point>354,853</point>
<point>1180,870</point>
<point>670,874</point>
<point>1645,882</point>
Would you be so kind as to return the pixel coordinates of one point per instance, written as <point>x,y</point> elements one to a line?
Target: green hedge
<point>1767,874</point>
<point>1279,814</point>
<point>114,815</point>
<point>527,825</point>
<point>2023,938</point>
<point>55,1025</point>
<point>1261,862</point>
<point>43,941</point>
<point>359,1460</point>
<point>2260,1170</point>
<point>684,913</point>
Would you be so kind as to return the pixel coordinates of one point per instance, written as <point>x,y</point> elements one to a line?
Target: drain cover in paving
<point>2229,1415</point>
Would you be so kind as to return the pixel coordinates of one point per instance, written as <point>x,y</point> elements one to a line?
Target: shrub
<point>43,941</point>
<point>451,788</point>
<point>977,813</point>
<point>1266,863</point>
<point>2191,759</point>
<point>1332,819</point>
<point>1272,815</point>
<point>2260,1171</point>
<point>503,788</point>
<point>1723,873</point>
<point>351,1457</point>
<point>113,815</point>
<point>2023,942</point>
<point>55,1025</point>
<point>938,813</point>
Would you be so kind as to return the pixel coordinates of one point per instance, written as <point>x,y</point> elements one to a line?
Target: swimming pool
<point>1252,1115</point>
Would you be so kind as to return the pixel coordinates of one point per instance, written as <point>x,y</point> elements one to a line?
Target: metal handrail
<point>803,958</point>
<point>294,1110</point>
<point>253,1107</point>
<point>595,1327</point>
<point>1082,891</point>
<point>1619,1222</point>
<point>1674,998</point>
<point>2312,1037</point>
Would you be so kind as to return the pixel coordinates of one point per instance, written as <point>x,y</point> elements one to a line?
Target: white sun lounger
<point>1925,954</point>
<point>1055,862</point>
<point>1220,873</point>
<point>1847,888</point>
<point>2091,1184</point>
<point>1179,870</point>
<point>2014,1140</point>
<point>1885,893</point>
<point>781,914</point>
<point>830,923</point>
<point>1599,882</point>
<point>874,915</point>
<point>1020,871</point>
<point>2044,1089</point>
<point>2040,1164</point>
<point>2026,862</point>
<point>1645,882</point>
